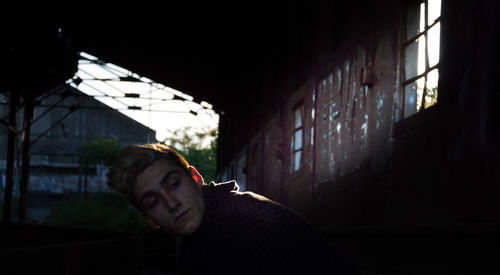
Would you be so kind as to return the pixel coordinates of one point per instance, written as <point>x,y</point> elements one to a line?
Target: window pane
<point>412,21</point>
<point>422,17</point>
<point>298,118</point>
<point>296,161</point>
<point>415,58</point>
<point>434,10</point>
<point>420,92</point>
<point>298,140</point>
<point>410,107</point>
<point>411,57</point>
<point>312,136</point>
<point>432,88</point>
<point>433,44</point>
<point>421,55</point>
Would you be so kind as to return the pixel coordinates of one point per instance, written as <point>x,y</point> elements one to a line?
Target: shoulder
<point>286,240</point>
<point>257,207</point>
<point>272,234</point>
<point>228,194</point>
<point>246,210</point>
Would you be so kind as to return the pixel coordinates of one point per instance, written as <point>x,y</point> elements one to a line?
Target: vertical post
<point>11,137</point>
<point>99,182</point>
<point>85,180</point>
<point>80,171</point>
<point>23,187</point>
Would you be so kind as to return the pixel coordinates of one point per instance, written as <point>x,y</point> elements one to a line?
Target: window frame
<point>298,106</point>
<point>405,43</point>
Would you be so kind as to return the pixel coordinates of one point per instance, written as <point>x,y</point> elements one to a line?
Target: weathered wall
<point>362,162</point>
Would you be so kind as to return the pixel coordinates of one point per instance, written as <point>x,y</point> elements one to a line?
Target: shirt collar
<point>211,196</point>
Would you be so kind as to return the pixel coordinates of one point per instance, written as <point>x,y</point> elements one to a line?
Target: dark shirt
<point>245,233</point>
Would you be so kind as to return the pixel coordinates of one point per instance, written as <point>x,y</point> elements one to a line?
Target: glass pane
<point>420,92</point>
<point>313,100</point>
<point>410,106</point>
<point>241,177</point>
<point>296,161</point>
<point>432,88</point>
<point>412,21</point>
<point>312,136</point>
<point>411,60</point>
<point>298,140</point>
<point>421,55</point>
<point>434,10</point>
<point>422,17</point>
<point>433,44</point>
<point>298,118</point>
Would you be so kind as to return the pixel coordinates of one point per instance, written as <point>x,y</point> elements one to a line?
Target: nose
<point>171,202</point>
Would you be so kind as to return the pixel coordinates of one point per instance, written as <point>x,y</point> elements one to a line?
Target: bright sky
<point>155,105</point>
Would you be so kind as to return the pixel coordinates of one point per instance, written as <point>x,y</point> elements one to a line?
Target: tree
<point>100,151</point>
<point>191,147</point>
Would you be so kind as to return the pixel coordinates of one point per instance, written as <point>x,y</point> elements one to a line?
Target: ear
<point>151,222</point>
<point>198,179</point>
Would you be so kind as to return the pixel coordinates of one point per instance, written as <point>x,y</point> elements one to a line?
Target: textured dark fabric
<point>245,233</point>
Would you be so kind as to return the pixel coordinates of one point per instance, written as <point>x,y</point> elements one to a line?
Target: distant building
<point>56,133</point>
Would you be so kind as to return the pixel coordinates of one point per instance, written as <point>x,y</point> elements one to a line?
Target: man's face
<point>169,196</point>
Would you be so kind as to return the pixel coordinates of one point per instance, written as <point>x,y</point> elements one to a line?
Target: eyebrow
<point>167,176</point>
<point>153,192</point>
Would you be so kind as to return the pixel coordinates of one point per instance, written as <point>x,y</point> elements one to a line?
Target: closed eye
<point>153,203</point>
<point>174,185</point>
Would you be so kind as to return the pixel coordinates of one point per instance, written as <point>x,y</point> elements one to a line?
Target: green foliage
<point>191,148</point>
<point>432,93</point>
<point>99,151</point>
<point>107,211</point>
<point>203,159</point>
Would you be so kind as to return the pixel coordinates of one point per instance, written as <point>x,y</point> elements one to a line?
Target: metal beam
<point>23,186</point>
<point>11,137</point>
<point>71,110</point>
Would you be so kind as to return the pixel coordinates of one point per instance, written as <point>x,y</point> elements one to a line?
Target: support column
<point>23,186</point>
<point>9,171</point>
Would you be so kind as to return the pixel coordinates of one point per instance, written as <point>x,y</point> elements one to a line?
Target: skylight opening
<point>155,105</point>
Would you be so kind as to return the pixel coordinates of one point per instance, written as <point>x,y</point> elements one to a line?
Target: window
<point>421,56</point>
<point>297,138</point>
<point>253,161</point>
<point>241,177</point>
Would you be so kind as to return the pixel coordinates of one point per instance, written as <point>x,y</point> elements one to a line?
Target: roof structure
<point>201,48</point>
<point>153,104</point>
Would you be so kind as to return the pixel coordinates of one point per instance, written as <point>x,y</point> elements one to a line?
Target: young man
<point>224,231</point>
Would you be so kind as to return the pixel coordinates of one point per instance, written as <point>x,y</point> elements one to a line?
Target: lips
<point>181,216</point>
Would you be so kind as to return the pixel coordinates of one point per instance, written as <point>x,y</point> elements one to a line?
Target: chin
<point>189,228</point>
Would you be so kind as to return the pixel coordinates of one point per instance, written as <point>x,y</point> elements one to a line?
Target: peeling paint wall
<point>342,115</point>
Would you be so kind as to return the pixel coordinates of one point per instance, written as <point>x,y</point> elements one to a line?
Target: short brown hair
<point>132,160</point>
